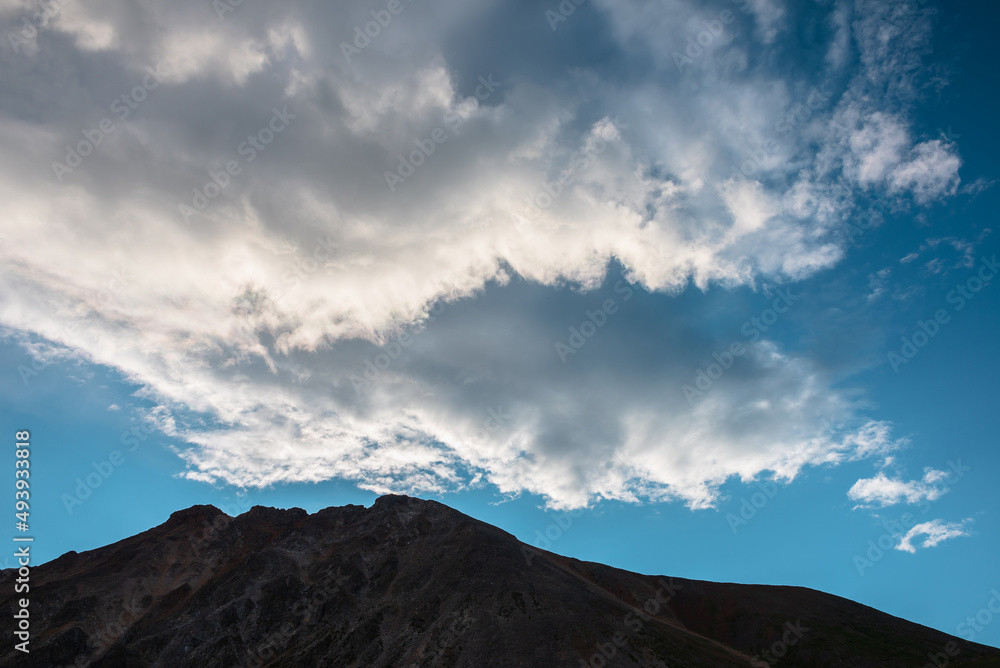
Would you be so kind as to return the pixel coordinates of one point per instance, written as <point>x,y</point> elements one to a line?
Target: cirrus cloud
<point>936,532</point>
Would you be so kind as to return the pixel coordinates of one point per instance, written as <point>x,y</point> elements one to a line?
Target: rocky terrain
<point>415,583</point>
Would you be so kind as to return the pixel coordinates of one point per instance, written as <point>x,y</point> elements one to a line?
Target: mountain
<point>415,583</point>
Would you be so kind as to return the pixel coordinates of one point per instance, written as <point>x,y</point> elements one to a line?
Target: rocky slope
<point>415,583</point>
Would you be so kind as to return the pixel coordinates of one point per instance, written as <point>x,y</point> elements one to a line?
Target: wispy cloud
<point>936,532</point>
<point>882,490</point>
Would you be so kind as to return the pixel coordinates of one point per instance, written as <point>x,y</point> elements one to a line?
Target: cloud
<point>881,152</point>
<point>248,319</point>
<point>965,253</point>
<point>930,173</point>
<point>882,491</point>
<point>877,283</point>
<point>936,532</point>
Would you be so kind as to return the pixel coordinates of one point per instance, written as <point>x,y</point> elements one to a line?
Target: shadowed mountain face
<point>415,583</point>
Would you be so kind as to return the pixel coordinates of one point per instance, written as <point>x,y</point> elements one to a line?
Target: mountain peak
<point>397,500</point>
<point>353,587</point>
<point>193,515</point>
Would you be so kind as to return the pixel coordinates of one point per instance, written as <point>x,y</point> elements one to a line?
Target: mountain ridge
<point>410,582</point>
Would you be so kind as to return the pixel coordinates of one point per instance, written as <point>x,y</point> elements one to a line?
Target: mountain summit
<point>411,583</point>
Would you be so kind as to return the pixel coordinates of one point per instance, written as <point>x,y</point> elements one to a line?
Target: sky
<point>704,289</point>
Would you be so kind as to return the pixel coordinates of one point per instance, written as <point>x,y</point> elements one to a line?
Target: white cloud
<point>251,314</point>
<point>878,147</point>
<point>89,32</point>
<point>769,18</point>
<point>882,491</point>
<point>930,173</point>
<point>936,532</point>
<point>875,440</point>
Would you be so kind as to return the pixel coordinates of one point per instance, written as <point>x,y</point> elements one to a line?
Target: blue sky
<point>750,337</point>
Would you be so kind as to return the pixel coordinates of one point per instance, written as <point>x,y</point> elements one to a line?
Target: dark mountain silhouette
<point>415,583</point>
